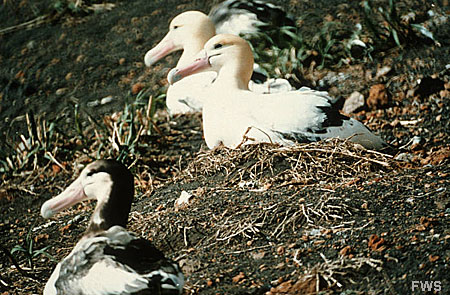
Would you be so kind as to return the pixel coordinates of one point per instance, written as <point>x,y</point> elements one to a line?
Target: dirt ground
<point>319,218</point>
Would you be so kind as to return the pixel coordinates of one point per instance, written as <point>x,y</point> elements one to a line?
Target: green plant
<point>27,248</point>
<point>324,41</point>
<point>391,27</point>
<point>119,135</point>
<point>388,26</point>
<point>287,57</point>
<point>281,57</point>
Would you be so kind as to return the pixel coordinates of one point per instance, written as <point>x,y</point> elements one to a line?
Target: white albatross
<point>189,32</point>
<point>108,259</point>
<point>232,113</point>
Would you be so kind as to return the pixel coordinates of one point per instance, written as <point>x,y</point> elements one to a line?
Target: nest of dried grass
<point>331,161</point>
<point>257,168</point>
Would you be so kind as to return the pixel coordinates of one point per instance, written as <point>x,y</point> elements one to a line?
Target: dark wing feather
<point>135,254</point>
<point>267,13</point>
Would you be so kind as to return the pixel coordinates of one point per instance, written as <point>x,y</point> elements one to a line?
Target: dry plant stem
<point>346,154</point>
<point>55,161</point>
<point>163,137</point>
<point>330,269</point>
<point>31,126</point>
<point>27,25</point>
<point>248,250</point>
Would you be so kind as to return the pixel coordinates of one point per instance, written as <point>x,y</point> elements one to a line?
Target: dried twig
<point>248,250</point>
<point>28,25</point>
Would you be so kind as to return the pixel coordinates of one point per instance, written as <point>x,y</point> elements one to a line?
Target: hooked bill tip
<point>173,76</point>
<point>149,61</point>
<point>46,211</point>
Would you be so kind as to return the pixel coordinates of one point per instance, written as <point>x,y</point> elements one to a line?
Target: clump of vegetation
<point>115,136</point>
<point>280,59</point>
<point>41,142</point>
<point>388,27</point>
<point>285,52</point>
<point>27,248</point>
<point>120,134</point>
<point>291,53</point>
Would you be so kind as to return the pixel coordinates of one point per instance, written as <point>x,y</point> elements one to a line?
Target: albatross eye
<point>175,27</point>
<point>217,46</point>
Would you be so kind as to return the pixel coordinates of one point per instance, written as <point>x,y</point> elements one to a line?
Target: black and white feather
<point>240,17</point>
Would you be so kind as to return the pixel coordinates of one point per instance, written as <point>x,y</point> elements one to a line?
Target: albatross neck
<point>190,51</point>
<point>113,210</point>
<point>233,76</point>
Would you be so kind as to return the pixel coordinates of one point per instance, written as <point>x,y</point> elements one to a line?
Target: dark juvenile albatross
<point>108,259</point>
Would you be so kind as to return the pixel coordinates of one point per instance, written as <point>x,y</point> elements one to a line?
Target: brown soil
<point>325,217</point>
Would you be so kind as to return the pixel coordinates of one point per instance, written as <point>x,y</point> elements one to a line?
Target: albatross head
<point>107,181</point>
<point>226,54</point>
<point>188,31</point>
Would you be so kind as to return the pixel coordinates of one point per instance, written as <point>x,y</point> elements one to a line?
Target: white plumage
<point>232,114</point>
<point>189,31</point>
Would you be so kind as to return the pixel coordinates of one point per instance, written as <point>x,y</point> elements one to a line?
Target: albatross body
<point>108,259</point>
<point>232,114</point>
<point>189,31</point>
